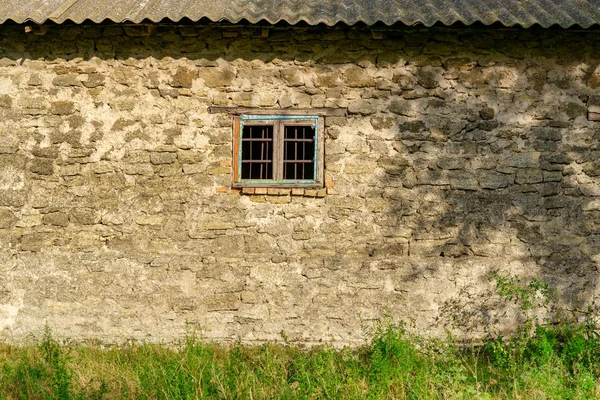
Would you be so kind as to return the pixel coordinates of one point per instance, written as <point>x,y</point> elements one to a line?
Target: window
<point>278,151</point>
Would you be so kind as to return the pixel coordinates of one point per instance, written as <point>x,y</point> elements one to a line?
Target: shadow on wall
<point>506,178</point>
<point>483,157</point>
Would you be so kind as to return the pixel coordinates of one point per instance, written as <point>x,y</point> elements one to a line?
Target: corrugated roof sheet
<point>526,13</point>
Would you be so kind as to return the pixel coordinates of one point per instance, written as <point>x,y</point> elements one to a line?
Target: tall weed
<point>543,360</point>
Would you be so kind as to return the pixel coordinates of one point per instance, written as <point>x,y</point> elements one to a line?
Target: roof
<point>525,13</point>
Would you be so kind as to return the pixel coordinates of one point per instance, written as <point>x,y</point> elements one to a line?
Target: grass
<point>556,362</point>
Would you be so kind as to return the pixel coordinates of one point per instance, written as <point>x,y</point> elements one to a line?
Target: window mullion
<point>278,134</point>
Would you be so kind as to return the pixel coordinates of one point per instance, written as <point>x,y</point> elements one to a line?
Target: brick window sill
<point>296,192</point>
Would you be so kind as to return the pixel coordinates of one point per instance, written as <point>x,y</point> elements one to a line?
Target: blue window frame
<point>278,150</point>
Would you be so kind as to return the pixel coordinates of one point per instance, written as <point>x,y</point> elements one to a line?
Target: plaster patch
<point>12,179</point>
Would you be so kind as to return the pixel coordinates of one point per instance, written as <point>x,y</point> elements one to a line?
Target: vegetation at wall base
<point>558,362</point>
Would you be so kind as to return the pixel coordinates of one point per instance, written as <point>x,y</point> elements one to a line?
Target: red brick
<point>593,116</point>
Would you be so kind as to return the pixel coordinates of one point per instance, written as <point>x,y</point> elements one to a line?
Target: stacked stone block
<point>465,151</point>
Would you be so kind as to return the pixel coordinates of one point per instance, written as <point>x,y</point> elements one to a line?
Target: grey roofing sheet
<point>508,12</point>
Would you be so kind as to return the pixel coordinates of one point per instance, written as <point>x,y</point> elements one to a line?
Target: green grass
<point>548,363</point>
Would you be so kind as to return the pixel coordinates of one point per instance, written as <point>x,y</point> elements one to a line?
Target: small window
<point>278,150</point>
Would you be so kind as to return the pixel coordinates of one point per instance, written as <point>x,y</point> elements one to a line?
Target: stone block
<point>258,199</point>
<point>45,152</point>
<point>64,107</point>
<point>70,170</point>
<point>354,168</point>
<point>138,169</point>
<point>214,225</point>
<point>278,199</point>
<point>71,137</point>
<point>243,99</point>
<point>7,218</point>
<point>32,242</point>
<point>405,82</point>
<point>529,175</point>
<point>32,102</point>
<point>162,158</point>
<point>86,242</point>
<point>552,176</point>
<point>403,107</point>
<point>495,180</point>
<point>269,100</point>
<point>42,166</point>
<point>12,198</point>
<point>84,216</point>
<point>358,78</point>
<point>592,168</point>
<point>66,80</point>
<point>111,218</point>
<point>392,165</point>
<point>523,160</point>
<point>433,178</point>
<point>486,113</point>
<point>94,80</point>
<point>168,170</point>
<point>573,110</point>
<point>189,169</point>
<point>593,205</point>
<point>102,167</point>
<point>189,156</point>
<point>5,101</point>
<point>249,297</point>
<point>121,124</point>
<point>344,203</point>
<point>293,76</point>
<point>462,180</point>
<point>427,78</point>
<point>327,77</point>
<point>362,107</point>
<point>124,104</point>
<point>56,219</point>
<point>594,101</point>
<point>9,147</point>
<point>452,163</point>
<point>184,77</point>
<point>549,189</point>
<point>382,122</point>
<point>216,77</point>
<point>413,130</point>
<point>222,302</point>
<point>169,92</point>
<point>487,249</point>
<point>219,170</point>
<point>149,219</point>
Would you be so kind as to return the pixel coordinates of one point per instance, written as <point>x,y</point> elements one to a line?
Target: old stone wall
<point>465,151</point>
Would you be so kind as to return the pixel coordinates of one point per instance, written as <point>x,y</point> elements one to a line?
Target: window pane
<point>299,153</point>
<point>257,152</point>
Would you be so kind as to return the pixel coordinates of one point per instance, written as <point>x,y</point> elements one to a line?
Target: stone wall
<point>465,151</point>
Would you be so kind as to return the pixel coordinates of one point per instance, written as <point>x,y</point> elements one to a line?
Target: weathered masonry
<point>453,152</point>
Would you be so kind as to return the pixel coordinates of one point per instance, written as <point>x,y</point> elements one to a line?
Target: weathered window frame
<point>279,122</point>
